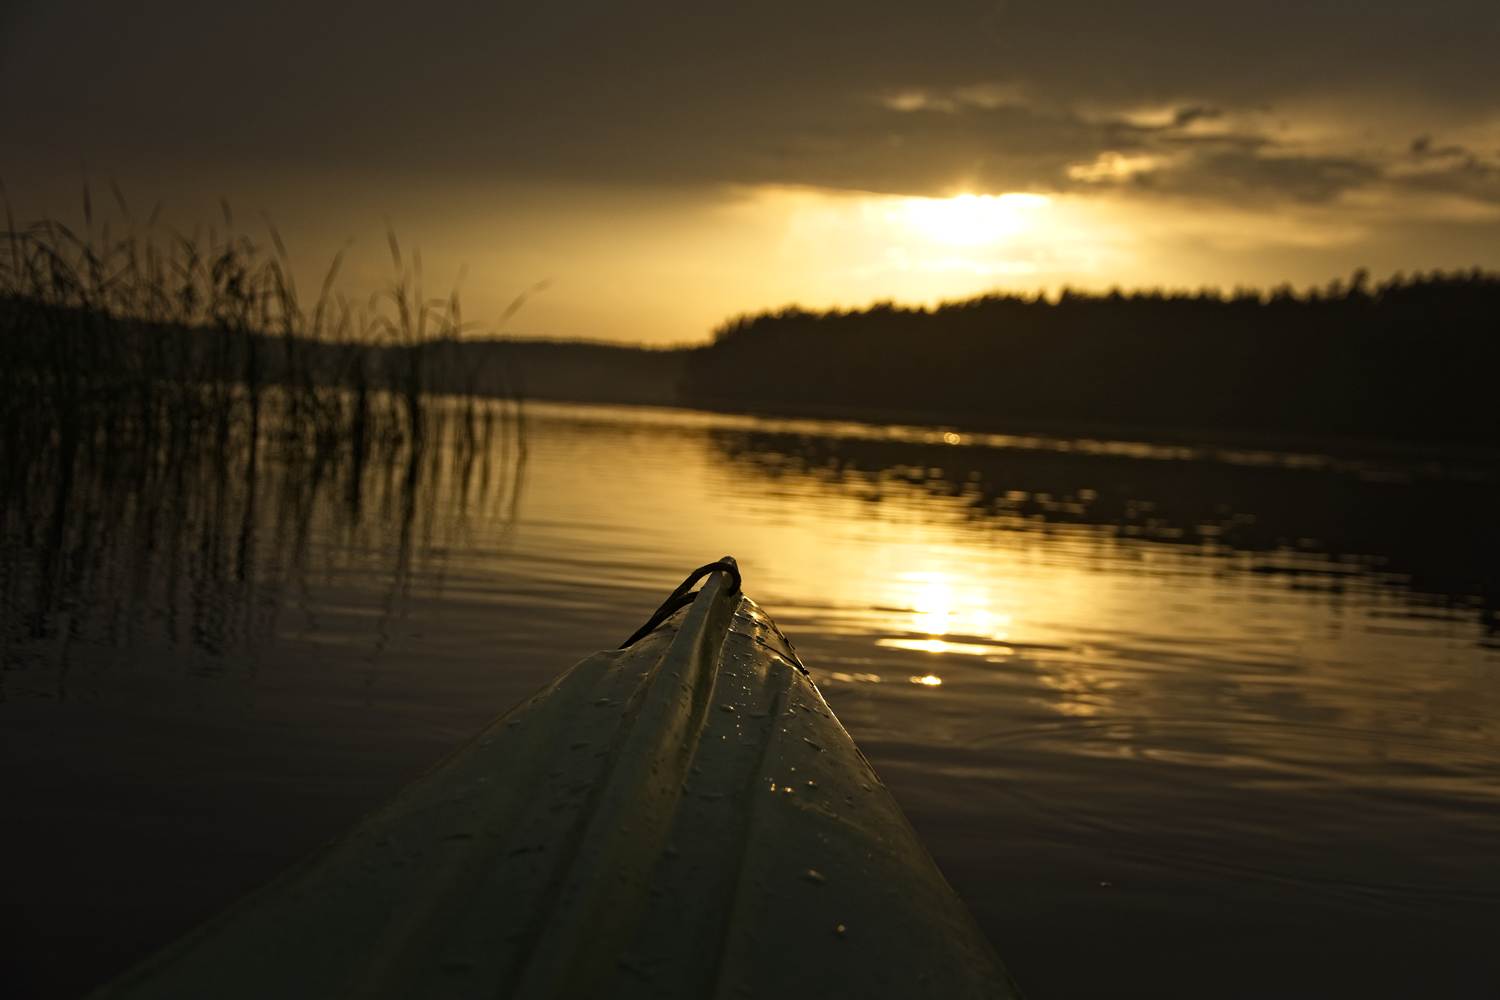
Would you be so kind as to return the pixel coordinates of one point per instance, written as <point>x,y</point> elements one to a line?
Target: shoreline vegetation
<point>1407,362</point>
<point>1405,365</point>
<point>212,329</point>
<point>145,339</point>
<point>174,420</point>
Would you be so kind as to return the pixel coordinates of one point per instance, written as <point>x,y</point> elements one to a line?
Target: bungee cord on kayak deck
<point>684,595</point>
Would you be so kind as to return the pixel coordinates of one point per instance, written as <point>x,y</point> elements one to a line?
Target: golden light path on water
<point>901,573</point>
<point>929,589</point>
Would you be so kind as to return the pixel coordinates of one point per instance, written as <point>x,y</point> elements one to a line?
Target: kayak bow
<point>682,817</point>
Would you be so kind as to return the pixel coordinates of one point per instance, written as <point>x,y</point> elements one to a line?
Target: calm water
<point>1175,722</point>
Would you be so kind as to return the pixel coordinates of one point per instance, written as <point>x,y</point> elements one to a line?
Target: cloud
<point>1184,117</point>
<point>1173,99</point>
<point>1113,167</point>
<point>1248,173</point>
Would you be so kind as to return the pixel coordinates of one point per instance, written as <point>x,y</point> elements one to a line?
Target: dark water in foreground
<point>1174,722</point>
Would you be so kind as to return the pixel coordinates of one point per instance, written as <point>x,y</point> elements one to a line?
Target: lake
<point>1174,720</point>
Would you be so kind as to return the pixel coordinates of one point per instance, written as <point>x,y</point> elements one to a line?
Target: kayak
<point>680,817</point>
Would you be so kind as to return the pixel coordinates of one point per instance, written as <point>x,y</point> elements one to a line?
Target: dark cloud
<point>1466,176</point>
<point>679,93</point>
<point>1186,116</point>
<point>1423,148</point>
<point>1253,175</point>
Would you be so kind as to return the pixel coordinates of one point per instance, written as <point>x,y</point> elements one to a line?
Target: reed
<point>145,372</point>
<point>145,336</point>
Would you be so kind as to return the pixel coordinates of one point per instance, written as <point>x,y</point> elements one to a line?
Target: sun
<point>850,248</point>
<point>970,220</point>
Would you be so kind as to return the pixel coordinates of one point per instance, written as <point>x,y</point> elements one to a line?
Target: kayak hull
<point>682,818</point>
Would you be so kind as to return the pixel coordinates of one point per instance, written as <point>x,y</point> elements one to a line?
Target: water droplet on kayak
<point>726,708</point>
<point>813,875</point>
<point>839,929</point>
<point>811,783</point>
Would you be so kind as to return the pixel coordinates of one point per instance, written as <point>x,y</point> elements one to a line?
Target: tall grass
<point>149,334</point>
<point>172,409</point>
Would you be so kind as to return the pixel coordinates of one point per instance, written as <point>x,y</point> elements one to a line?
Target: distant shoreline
<point>1408,362</point>
<point>772,368</point>
<point>1308,444</point>
<point>591,372</point>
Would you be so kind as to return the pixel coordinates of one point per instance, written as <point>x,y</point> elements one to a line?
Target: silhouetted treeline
<point>100,343</point>
<point>145,340</point>
<point>1408,359</point>
<point>175,426</point>
<point>568,370</point>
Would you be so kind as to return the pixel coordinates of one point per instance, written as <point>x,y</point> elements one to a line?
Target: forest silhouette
<point>1408,359</point>
<point>126,327</point>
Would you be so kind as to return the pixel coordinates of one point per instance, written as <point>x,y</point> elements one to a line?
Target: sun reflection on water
<point>932,603</point>
<point>938,646</point>
<point>945,604</point>
<point>1050,651</point>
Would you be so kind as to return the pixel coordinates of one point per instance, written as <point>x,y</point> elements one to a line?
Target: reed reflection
<point>186,446</point>
<point>206,548</point>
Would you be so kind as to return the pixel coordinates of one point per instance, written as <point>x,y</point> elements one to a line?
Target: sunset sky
<point>667,165</point>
